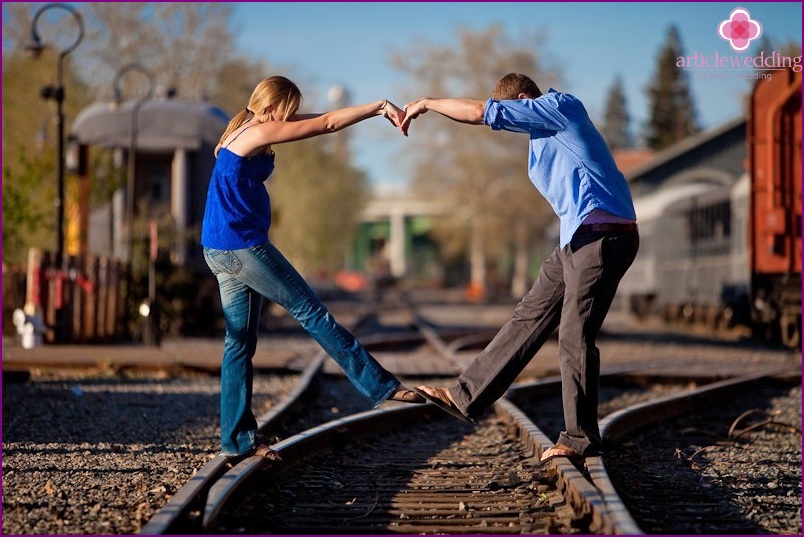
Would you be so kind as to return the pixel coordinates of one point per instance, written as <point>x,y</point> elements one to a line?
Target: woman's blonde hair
<point>276,91</point>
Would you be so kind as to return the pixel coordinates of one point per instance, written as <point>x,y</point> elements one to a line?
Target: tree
<point>672,115</point>
<point>29,149</point>
<point>483,174</point>
<point>316,197</point>
<point>185,45</point>
<point>188,48</point>
<point>616,119</point>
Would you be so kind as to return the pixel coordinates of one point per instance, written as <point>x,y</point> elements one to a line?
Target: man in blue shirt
<point>572,167</point>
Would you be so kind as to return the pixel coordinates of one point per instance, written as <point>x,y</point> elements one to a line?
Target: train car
<point>691,265</point>
<point>640,285</point>
<point>700,268</point>
<point>722,254</point>
<point>774,162</point>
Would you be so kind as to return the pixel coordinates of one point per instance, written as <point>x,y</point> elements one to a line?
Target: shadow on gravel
<point>666,473</point>
<point>112,414</point>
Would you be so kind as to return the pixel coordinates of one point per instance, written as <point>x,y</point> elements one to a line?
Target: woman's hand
<point>394,114</point>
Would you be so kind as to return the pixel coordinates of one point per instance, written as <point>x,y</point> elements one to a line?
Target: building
<point>173,159</point>
<point>715,155</point>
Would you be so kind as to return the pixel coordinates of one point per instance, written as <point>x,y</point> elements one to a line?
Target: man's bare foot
<point>435,392</point>
<point>443,400</point>
<point>406,395</point>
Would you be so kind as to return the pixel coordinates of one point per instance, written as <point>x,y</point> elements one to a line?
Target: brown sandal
<point>407,396</point>
<point>557,451</point>
<point>266,452</point>
<point>442,401</point>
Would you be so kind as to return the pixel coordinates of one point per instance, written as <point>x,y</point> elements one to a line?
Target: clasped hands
<point>401,118</point>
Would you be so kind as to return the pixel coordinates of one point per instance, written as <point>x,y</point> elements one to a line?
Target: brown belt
<point>605,226</point>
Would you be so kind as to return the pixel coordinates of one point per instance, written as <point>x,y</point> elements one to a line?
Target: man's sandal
<point>405,395</point>
<point>442,401</point>
<point>558,451</point>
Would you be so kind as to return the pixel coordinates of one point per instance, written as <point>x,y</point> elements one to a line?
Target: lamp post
<point>147,308</point>
<point>56,93</point>
<point>132,148</point>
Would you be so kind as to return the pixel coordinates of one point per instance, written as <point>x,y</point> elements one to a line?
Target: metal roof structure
<point>162,125</point>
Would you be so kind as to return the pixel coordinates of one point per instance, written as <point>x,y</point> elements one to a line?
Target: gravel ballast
<point>100,451</point>
<point>94,453</point>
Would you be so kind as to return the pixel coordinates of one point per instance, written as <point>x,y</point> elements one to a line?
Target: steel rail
<point>193,494</point>
<point>618,424</point>
<point>580,493</point>
<point>304,445</point>
<point>617,519</point>
<point>583,497</point>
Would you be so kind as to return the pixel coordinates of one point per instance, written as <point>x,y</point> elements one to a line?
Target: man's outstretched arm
<point>461,110</point>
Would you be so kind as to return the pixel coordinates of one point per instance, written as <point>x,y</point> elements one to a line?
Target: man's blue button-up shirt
<point>570,163</point>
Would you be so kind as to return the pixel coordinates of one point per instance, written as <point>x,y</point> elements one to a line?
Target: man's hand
<point>412,110</point>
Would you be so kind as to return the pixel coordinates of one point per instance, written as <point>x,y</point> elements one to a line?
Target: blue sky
<point>322,44</point>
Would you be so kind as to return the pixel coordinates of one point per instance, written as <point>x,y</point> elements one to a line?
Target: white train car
<point>639,288</point>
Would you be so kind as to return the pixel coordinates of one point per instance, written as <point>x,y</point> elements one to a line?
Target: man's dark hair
<point>511,85</point>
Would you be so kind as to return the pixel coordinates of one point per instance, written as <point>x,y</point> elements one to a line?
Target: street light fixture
<point>147,307</point>
<point>56,93</point>
<point>132,149</point>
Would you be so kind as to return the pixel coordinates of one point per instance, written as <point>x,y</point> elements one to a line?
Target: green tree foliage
<point>616,121</point>
<point>185,45</point>
<point>672,115</point>
<point>316,197</point>
<point>498,214</point>
<point>29,150</point>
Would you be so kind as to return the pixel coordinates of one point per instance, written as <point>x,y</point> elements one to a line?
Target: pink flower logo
<point>739,29</point>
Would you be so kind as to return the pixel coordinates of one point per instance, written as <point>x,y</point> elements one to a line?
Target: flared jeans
<point>573,292</point>
<point>246,276</point>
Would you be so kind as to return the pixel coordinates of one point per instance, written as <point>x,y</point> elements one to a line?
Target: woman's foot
<point>266,452</point>
<point>406,395</point>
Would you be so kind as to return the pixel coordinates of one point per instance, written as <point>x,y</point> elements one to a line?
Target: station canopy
<point>162,125</point>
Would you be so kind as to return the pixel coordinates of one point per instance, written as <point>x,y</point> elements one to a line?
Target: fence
<point>83,301</point>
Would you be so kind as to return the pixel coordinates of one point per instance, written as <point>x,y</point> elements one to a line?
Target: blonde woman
<point>248,267</point>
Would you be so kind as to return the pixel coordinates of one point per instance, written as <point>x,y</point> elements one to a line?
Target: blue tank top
<point>238,209</point>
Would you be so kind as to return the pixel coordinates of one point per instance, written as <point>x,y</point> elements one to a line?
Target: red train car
<point>774,164</point>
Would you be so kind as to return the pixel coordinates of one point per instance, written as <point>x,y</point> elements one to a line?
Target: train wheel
<point>790,327</point>
<point>727,318</point>
<point>688,314</point>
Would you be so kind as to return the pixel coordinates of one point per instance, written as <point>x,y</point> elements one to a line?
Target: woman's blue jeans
<point>244,278</point>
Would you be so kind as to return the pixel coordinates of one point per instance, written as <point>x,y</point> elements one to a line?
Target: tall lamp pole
<point>150,323</point>
<point>56,93</point>
<point>132,149</point>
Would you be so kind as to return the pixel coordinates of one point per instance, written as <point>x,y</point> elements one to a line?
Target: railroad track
<point>715,460</point>
<point>412,469</point>
<point>201,505</point>
<point>646,417</point>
